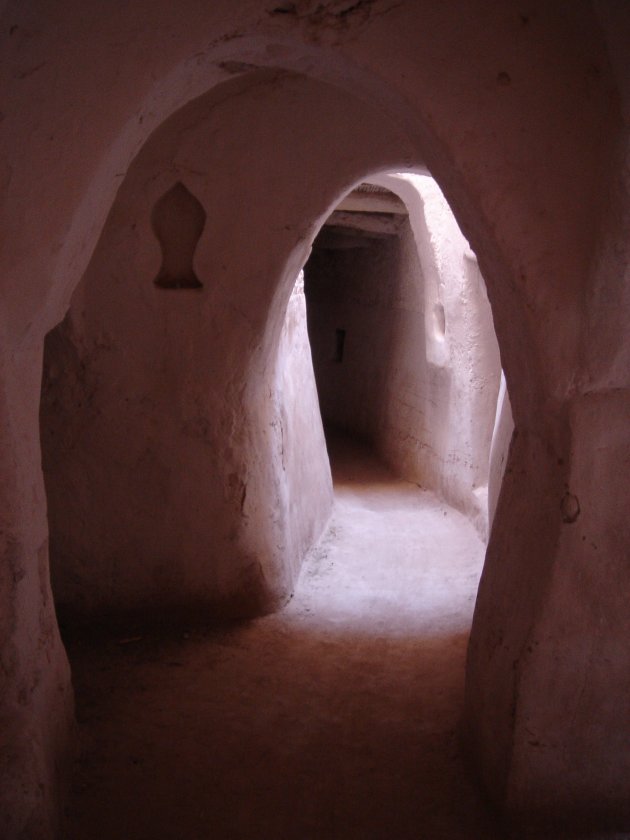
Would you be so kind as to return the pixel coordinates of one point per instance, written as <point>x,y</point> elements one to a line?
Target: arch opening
<point>423,395</point>
<point>238,463</point>
<point>525,164</point>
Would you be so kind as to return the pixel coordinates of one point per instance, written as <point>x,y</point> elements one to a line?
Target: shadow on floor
<point>333,719</point>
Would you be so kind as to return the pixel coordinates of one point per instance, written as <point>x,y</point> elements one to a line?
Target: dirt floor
<point>335,718</point>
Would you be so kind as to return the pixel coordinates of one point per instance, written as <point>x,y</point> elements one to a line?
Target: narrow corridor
<point>335,718</point>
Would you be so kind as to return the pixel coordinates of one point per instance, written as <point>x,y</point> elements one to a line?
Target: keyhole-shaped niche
<point>178,220</point>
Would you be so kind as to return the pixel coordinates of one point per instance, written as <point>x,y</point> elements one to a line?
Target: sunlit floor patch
<point>394,562</point>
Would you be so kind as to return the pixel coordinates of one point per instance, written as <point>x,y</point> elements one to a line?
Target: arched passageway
<point>404,348</point>
<point>368,656</point>
<point>530,192</point>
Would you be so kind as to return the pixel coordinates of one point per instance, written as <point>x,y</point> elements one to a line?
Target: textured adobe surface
<point>521,115</point>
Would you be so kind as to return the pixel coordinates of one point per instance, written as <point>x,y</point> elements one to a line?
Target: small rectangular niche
<point>340,340</point>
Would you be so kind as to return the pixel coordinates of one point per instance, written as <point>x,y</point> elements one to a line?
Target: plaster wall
<point>499,449</point>
<point>36,703</point>
<point>522,117</point>
<point>308,484</point>
<point>184,458</point>
<point>579,622</point>
<point>352,290</point>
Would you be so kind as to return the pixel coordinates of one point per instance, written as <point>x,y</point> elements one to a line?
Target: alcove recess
<point>178,220</point>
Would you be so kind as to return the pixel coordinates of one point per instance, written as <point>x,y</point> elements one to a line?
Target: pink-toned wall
<point>502,432</point>
<point>353,290</point>
<point>521,114</point>
<point>170,420</point>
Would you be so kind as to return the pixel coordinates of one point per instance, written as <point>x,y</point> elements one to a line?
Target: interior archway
<point>526,186</point>
<point>422,379</point>
<point>184,466</point>
<point>247,368</point>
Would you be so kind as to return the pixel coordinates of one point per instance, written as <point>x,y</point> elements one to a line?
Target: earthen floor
<point>335,718</point>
